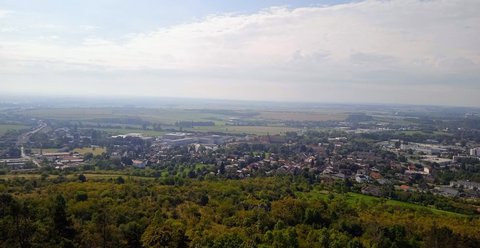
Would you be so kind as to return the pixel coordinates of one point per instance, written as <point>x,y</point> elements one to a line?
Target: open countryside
<point>240,124</point>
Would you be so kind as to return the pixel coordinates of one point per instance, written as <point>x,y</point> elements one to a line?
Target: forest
<point>280,211</point>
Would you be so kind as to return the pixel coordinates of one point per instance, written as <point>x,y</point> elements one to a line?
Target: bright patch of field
<point>355,197</point>
<point>302,116</point>
<point>45,150</point>
<point>393,119</point>
<point>165,116</point>
<point>71,113</point>
<point>119,131</point>
<point>170,116</point>
<point>412,133</point>
<point>202,166</point>
<point>257,130</point>
<point>4,128</point>
<point>20,176</point>
<point>94,150</point>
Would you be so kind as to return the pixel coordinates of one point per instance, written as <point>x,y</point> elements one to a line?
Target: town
<point>240,124</point>
<point>372,157</point>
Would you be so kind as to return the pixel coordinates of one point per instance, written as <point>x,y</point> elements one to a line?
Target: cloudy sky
<point>398,51</point>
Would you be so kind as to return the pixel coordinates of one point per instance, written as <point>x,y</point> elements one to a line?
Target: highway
<point>23,139</point>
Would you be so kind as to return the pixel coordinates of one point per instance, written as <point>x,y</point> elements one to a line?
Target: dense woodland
<point>283,211</point>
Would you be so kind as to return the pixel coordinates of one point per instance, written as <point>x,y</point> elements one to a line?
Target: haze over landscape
<point>240,124</point>
<point>398,51</point>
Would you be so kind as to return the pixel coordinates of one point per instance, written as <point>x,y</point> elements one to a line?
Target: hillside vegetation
<point>261,212</point>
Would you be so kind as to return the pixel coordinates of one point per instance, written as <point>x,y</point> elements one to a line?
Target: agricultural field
<point>164,116</point>
<point>172,115</point>
<point>372,200</point>
<point>70,113</point>
<point>44,150</point>
<point>4,128</point>
<point>120,131</point>
<point>167,117</point>
<point>257,130</point>
<point>94,150</point>
<point>302,115</point>
<point>412,133</point>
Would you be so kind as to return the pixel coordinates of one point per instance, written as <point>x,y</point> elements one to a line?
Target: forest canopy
<point>262,212</point>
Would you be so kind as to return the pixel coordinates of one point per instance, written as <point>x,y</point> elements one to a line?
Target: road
<point>28,157</point>
<point>23,139</point>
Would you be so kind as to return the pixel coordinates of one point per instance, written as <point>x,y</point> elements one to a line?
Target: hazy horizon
<point>408,52</point>
<point>155,102</point>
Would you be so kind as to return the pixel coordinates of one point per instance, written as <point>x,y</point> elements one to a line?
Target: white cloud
<point>383,44</point>
<point>88,28</point>
<point>4,13</point>
<point>8,29</point>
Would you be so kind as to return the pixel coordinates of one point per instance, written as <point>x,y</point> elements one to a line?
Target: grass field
<point>165,116</point>
<point>95,151</point>
<point>302,115</point>
<point>70,113</point>
<point>411,133</point>
<point>20,176</point>
<point>37,150</point>
<point>118,131</point>
<point>170,116</point>
<point>201,166</point>
<point>258,130</point>
<point>354,197</point>
<point>4,128</point>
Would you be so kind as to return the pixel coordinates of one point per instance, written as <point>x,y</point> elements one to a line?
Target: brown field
<point>166,116</point>
<point>94,151</point>
<point>118,131</point>
<point>4,128</point>
<point>302,116</point>
<point>257,130</point>
<point>37,150</point>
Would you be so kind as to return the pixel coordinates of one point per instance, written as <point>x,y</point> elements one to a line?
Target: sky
<point>373,51</point>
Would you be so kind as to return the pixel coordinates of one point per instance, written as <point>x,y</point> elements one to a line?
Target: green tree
<point>120,180</point>
<point>228,241</point>
<point>285,238</point>
<point>82,178</point>
<point>160,233</point>
<point>62,225</point>
<point>81,196</point>
<point>132,232</point>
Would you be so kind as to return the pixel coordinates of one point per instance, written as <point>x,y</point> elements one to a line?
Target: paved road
<point>29,158</point>
<point>23,139</point>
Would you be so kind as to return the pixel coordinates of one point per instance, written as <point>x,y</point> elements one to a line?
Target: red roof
<point>405,187</point>
<point>376,175</point>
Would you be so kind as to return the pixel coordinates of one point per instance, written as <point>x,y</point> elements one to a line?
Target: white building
<point>362,178</point>
<point>465,185</point>
<point>425,148</point>
<point>475,152</point>
<point>139,163</point>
